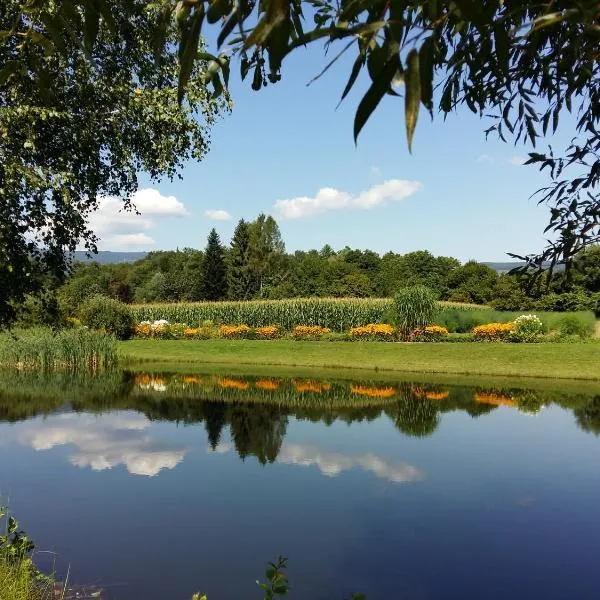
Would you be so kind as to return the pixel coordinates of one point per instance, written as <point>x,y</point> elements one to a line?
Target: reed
<point>45,349</point>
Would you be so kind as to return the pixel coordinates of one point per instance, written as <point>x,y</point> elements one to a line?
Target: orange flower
<point>373,392</point>
<point>189,379</point>
<point>308,331</point>
<point>233,330</point>
<point>372,330</point>
<point>495,399</point>
<point>494,331</point>
<point>143,379</point>
<point>234,384</point>
<point>268,331</point>
<point>190,332</point>
<point>437,395</point>
<point>311,386</point>
<point>267,384</point>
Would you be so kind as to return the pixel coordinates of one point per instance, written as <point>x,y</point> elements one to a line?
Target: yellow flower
<point>495,399</point>
<point>268,331</point>
<point>233,330</point>
<point>372,330</point>
<point>493,331</point>
<point>373,392</point>
<point>234,384</point>
<point>267,384</point>
<point>311,386</point>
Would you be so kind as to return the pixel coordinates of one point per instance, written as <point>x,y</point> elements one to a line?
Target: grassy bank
<point>562,361</point>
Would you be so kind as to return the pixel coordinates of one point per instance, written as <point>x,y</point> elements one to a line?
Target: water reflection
<point>104,441</point>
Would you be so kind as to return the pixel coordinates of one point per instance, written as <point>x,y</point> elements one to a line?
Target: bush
<point>528,328</point>
<point>414,308</point>
<point>268,332</point>
<point>107,314</point>
<point>570,325</point>
<point>234,331</point>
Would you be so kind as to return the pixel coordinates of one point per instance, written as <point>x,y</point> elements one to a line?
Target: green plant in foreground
<point>414,308</point>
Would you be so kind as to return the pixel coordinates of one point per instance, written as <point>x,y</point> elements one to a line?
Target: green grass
<point>548,360</point>
<point>17,582</point>
<point>42,348</point>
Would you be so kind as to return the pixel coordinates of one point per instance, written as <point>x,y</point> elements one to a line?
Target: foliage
<point>528,328</point>
<point>494,332</point>
<point>214,269</point>
<point>78,125</point>
<point>42,348</point>
<point>414,307</point>
<point>106,314</point>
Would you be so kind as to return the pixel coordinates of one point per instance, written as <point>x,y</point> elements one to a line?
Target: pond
<point>156,485</point>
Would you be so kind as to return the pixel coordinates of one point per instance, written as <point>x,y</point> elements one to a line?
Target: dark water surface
<point>155,486</point>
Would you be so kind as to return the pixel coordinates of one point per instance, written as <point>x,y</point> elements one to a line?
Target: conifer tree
<point>214,269</point>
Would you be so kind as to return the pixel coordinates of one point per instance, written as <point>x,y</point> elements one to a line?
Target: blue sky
<point>463,196</point>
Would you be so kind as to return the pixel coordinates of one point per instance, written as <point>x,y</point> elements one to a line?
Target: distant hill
<point>106,257</point>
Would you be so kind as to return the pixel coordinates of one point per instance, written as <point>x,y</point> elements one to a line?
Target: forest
<point>255,264</point>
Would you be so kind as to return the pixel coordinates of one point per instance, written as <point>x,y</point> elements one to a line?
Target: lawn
<point>553,360</point>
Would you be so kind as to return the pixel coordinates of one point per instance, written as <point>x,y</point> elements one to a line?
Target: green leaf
<point>217,10</point>
<point>189,51</point>
<point>373,97</point>
<point>412,100</point>
<point>9,69</point>
<point>426,72</point>
<point>358,65</point>
<point>502,44</point>
<point>91,25</point>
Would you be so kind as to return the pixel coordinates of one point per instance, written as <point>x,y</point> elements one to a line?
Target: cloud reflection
<point>333,464</point>
<point>104,442</point>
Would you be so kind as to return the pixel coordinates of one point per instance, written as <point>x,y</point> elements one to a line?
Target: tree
<point>526,62</point>
<point>214,269</point>
<point>239,277</point>
<point>79,123</point>
<point>267,253</point>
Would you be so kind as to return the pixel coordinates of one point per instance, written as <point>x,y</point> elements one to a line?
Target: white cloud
<point>119,228</point>
<point>104,442</point>
<point>517,160</point>
<point>484,158</point>
<point>217,215</point>
<point>328,199</point>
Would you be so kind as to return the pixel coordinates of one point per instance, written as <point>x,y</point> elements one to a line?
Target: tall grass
<point>45,349</point>
<point>336,314</point>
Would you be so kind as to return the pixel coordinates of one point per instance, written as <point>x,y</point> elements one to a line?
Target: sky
<point>287,151</point>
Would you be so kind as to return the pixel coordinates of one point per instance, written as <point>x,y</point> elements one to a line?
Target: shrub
<point>268,332</point>
<point>373,331</point>
<point>414,308</point>
<point>528,328</point>
<point>431,333</point>
<point>571,325</point>
<point>493,332</point>
<point>309,332</point>
<point>234,331</point>
<point>106,314</point>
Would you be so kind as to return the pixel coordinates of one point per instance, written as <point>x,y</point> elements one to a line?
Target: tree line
<point>256,265</point>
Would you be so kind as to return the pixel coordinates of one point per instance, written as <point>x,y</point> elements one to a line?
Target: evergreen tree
<point>239,277</point>
<point>214,269</point>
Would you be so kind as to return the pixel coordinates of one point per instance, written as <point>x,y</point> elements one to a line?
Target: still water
<point>154,486</point>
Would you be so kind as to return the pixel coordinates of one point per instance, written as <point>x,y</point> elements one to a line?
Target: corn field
<point>336,314</point>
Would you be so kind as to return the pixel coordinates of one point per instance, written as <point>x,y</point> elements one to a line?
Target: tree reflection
<point>588,417</point>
